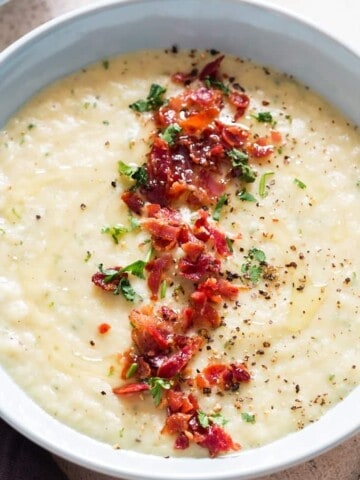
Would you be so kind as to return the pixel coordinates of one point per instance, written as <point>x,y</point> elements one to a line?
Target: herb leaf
<point>126,289</point>
<point>212,82</point>
<point>163,289</point>
<point>247,417</point>
<point>253,268</point>
<point>116,231</point>
<point>139,174</point>
<point>157,385</point>
<point>220,203</point>
<point>264,117</point>
<point>132,370</point>
<point>170,133</point>
<point>205,420</point>
<point>136,268</point>
<point>262,184</point>
<point>299,183</point>
<point>246,196</point>
<point>153,101</point>
<point>240,160</point>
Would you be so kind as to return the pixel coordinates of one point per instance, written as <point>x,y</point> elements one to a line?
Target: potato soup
<point>161,316</point>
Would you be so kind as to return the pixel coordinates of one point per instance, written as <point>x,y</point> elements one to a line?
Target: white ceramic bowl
<point>270,37</point>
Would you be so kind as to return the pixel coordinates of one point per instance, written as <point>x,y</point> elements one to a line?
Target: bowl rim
<point>137,471</point>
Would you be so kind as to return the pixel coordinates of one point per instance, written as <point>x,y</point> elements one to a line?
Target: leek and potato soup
<point>179,253</point>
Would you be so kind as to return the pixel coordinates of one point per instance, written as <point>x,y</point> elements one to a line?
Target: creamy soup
<point>292,235</point>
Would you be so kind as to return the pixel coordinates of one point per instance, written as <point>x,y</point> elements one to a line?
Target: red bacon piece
<point>195,269</point>
<point>240,101</point>
<point>234,136</point>
<point>133,201</point>
<point>176,423</point>
<point>211,69</point>
<point>182,442</point>
<point>151,334</point>
<point>204,231</point>
<point>217,441</point>
<point>260,148</point>
<point>131,388</point>
<point>103,328</point>
<point>224,376</point>
<point>176,362</point>
<point>98,279</point>
<point>157,268</point>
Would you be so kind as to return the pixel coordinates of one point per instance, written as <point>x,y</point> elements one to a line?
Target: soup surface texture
<point>280,231</point>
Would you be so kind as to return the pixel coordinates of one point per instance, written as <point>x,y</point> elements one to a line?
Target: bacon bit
<point>275,137</point>
<point>173,365</point>
<point>211,69</point>
<point>261,148</point>
<point>182,442</point>
<point>157,268</point>
<point>98,279</point>
<point>103,328</point>
<point>240,101</point>
<point>131,388</point>
<point>164,235</point>
<point>224,376</point>
<point>181,402</point>
<point>194,270</point>
<point>234,136</point>
<point>176,423</point>
<point>133,201</point>
<point>216,290</point>
<point>150,333</point>
<point>193,250</point>
<point>217,440</point>
<point>198,121</point>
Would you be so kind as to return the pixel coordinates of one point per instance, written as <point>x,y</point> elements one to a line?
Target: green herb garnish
<point>139,174</point>
<point>229,243</point>
<point>220,203</point>
<point>253,268</point>
<point>205,420</point>
<point>126,289</point>
<point>136,268</point>
<point>299,183</point>
<point>212,82</point>
<point>240,160</point>
<point>87,256</point>
<point>264,117</point>
<point>153,101</point>
<point>246,196</point>
<point>262,184</point>
<point>157,385</point>
<point>163,289</point>
<point>170,133</point>
<point>132,370</point>
<point>115,231</point>
<point>248,418</point>
<point>105,64</point>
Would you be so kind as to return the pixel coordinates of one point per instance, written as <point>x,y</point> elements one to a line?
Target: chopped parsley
<point>220,203</point>
<point>246,196</point>
<point>105,64</point>
<point>132,370</point>
<point>239,160</point>
<point>136,268</point>
<point>212,82</point>
<point>299,183</point>
<point>153,101</point>
<point>264,117</point>
<point>163,289</point>
<point>229,243</point>
<point>87,256</point>
<point>115,231</point>
<point>126,289</point>
<point>248,418</point>
<point>157,385</point>
<point>205,420</point>
<point>262,184</point>
<point>170,133</point>
<point>139,174</point>
<point>253,268</point>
